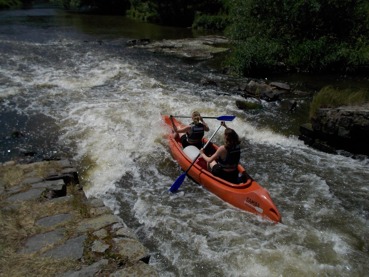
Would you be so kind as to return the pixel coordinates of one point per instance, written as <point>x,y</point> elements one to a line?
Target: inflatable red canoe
<point>248,195</point>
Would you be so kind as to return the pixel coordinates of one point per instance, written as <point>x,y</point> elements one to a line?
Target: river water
<point>71,87</point>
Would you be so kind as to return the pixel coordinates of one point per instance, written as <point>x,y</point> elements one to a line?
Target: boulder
<point>343,128</point>
<point>279,85</point>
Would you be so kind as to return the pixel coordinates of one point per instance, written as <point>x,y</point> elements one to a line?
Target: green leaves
<point>6,4</point>
<point>309,35</point>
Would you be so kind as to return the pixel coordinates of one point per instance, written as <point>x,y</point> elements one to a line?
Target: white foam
<point>109,110</point>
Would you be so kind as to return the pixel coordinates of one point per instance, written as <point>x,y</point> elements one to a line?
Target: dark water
<point>70,87</point>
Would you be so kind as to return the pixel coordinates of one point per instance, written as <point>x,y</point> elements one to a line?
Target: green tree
<point>175,12</point>
<point>168,12</point>
<point>99,6</point>
<point>312,35</point>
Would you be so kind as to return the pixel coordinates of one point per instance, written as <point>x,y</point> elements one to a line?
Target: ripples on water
<point>101,102</point>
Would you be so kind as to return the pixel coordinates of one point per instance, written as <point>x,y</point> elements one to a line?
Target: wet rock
<point>200,48</point>
<point>257,89</point>
<point>293,106</point>
<point>17,134</point>
<point>135,42</point>
<point>208,82</point>
<point>125,232</point>
<point>279,85</point>
<point>97,223</point>
<point>54,220</point>
<point>245,105</point>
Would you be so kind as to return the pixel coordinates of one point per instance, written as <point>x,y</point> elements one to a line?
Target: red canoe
<point>248,195</point>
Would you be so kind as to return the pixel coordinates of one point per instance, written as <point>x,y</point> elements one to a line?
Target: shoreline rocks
<point>60,232</point>
<point>334,129</point>
<point>200,48</point>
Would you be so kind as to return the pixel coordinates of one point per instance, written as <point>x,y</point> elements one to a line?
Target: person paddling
<point>193,133</point>
<point>223,163</point>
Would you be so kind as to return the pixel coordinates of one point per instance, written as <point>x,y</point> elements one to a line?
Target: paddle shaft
<point>221,118</point>
<point>186,116</point>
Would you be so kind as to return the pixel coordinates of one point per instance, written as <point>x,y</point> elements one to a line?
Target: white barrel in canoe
<point>191,151</point>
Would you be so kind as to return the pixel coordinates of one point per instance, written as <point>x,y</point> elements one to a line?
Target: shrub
<point>7,4</point>
<point>210,22</point>
<point>254,55</point>
<point>314,35</point>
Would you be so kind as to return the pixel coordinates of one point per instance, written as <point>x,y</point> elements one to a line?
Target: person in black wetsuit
<point>194,132</point>
<point>223,163</point>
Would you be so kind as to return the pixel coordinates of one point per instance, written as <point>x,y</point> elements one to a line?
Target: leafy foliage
<point>310,35</point>
<point>100,6</point>
<point>144,11</point>
<point>210,22</point>
<point>173,12</point>
<point>6,4</point>
<point>256,53</point>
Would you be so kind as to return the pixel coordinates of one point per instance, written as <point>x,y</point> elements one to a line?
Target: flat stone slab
<point>31,180</point>
<point>32,194</point>
<point>71,249</point>
<point>39,241</point>
<point>97,223</point>
<point>56,184</point>
<point>54,220</point>
<point>200,48</point>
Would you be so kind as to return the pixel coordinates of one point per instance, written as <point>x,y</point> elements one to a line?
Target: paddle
<point>181,178</point>
<point>220,118</point>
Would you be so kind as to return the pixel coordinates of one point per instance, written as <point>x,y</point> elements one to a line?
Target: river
<point>70,87</point>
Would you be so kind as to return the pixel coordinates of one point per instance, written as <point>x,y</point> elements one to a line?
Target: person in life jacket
<point>223,163</point>
<point>194,132</point>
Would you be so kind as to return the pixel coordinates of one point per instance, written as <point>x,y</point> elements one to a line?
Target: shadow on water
<point>23,137</point>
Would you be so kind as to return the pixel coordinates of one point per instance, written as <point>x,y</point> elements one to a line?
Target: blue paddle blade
<point>177,183</point>
<point>226,117</point>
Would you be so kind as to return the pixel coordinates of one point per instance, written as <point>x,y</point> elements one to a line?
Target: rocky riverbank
<point>334,130</point>
<point>49,228</point>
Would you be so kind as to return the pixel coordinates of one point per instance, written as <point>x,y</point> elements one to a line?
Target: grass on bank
<point>17,223</point>
<point>330,97</point>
